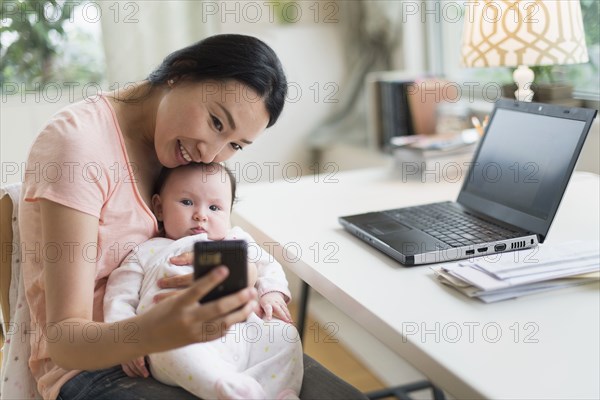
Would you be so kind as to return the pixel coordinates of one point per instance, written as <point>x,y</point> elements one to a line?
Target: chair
<point>16,381</point>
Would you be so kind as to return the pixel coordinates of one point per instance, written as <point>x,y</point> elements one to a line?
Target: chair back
<point>16,380</point>
<point>6,243</point>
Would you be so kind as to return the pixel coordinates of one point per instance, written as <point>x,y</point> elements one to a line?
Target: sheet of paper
<point>485,281</point>
<point>543,270</point>
<point>538,257</point>
<point>528,290</point>
<point>512,291</point>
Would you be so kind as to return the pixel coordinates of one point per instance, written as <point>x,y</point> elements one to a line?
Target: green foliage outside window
<point>42,44</point>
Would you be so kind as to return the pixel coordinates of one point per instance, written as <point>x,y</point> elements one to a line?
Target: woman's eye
<point>217,123</point>
<point>187,202</point>
<point>236,147</point>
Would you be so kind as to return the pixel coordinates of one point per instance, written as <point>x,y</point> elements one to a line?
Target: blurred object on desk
<point>402,104</point>
<point>480,126</point>
<point>424,98</point>
<point>439,156</point>
<point>452,118</point>
<point>388,113</point>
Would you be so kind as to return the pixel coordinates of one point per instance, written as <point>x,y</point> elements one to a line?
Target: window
<point>49,46</point>
<point>444,25</point>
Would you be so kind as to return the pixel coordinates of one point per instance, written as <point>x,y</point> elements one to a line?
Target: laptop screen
<point>523,171</point>
<point>524,163</point>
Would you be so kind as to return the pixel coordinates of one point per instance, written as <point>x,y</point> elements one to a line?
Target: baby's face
<point>193,201</point>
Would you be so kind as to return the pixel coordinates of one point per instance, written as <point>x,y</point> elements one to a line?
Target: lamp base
<point>555,93</point>
<point>523,77</point>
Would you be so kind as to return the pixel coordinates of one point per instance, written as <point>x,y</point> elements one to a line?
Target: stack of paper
<point>513,274</point>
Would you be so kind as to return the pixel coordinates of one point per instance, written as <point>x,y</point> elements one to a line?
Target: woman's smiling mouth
<point>184,153</point>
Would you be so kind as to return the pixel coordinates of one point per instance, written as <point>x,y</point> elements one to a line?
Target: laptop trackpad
<point>386,227</point>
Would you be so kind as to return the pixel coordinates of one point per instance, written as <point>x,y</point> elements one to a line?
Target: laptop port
<point>470,252</point>
<point>500,247</point>
<point>482,249</point>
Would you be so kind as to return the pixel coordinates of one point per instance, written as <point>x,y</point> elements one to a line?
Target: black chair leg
<point>402,392</point>
<point>302,309</point>
<point>438,394</point>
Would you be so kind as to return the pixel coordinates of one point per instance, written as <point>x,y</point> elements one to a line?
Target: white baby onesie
<point>255,359</point>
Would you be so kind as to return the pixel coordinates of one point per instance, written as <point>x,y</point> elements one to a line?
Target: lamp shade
<point>512,33</point>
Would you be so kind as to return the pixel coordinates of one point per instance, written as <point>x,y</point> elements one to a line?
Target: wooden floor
<point>321,344</point>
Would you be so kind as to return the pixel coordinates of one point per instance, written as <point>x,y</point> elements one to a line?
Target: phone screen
<point>231,253</point>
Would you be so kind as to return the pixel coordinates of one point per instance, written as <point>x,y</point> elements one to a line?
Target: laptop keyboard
<point>450,225</point>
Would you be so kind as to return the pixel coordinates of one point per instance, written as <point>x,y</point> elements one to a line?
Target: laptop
<point>509,197</point>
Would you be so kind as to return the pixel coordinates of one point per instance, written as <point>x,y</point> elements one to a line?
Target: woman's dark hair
<point>245,59</point>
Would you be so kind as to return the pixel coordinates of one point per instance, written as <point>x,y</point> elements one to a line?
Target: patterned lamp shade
<point>512,33</point>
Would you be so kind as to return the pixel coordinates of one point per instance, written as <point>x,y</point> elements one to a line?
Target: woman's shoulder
<point>84,129</point>
<point>76,155</point>
<point>83,117</point>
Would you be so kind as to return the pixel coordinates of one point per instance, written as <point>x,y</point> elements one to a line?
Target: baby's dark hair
<point>213,167</point>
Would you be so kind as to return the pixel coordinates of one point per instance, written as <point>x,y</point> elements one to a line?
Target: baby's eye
<point>187,202</point>
<point>214,208</point>
<point>217,123</point>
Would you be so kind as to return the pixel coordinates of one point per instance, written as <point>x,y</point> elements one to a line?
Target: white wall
<point>20,121</point>
<point>312,56</point>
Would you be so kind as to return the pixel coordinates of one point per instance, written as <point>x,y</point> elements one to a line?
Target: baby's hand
<point>135,368</point>
<point>273,305</point>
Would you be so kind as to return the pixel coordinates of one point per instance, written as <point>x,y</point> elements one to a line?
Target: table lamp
<point>520,34</point>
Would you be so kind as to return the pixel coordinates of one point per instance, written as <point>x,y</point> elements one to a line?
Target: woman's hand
<point>183,259</point>
<point>180,319</point>
<point>135,368</point>
<point>273,305</point>
<point>183,281</point>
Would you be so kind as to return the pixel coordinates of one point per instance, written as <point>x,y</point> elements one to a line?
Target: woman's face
<point>207,121</point>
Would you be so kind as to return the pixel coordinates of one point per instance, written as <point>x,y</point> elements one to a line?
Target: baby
<point>257,359</point>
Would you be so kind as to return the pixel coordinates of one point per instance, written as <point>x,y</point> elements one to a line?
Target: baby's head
<point>194,198</point>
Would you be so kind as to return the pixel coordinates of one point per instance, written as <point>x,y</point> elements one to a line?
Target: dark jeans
<point>113,384</point>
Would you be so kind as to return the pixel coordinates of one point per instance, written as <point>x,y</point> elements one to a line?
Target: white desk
<point>540,346</point>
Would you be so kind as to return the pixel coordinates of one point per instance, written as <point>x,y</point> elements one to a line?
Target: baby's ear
<point>157,207</point>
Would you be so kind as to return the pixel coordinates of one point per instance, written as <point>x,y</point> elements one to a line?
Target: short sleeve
<point>70,160</point>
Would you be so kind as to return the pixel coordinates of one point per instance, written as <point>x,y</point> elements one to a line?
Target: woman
<point>86,204</point>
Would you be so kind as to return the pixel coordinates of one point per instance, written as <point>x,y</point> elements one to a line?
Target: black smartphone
<point>231,253</point>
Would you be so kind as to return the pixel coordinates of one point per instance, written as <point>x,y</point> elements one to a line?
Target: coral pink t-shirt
<point>79,160</point>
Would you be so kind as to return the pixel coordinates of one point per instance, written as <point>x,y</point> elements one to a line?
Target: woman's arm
<point>84,344</point>
<point>70,281</point>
